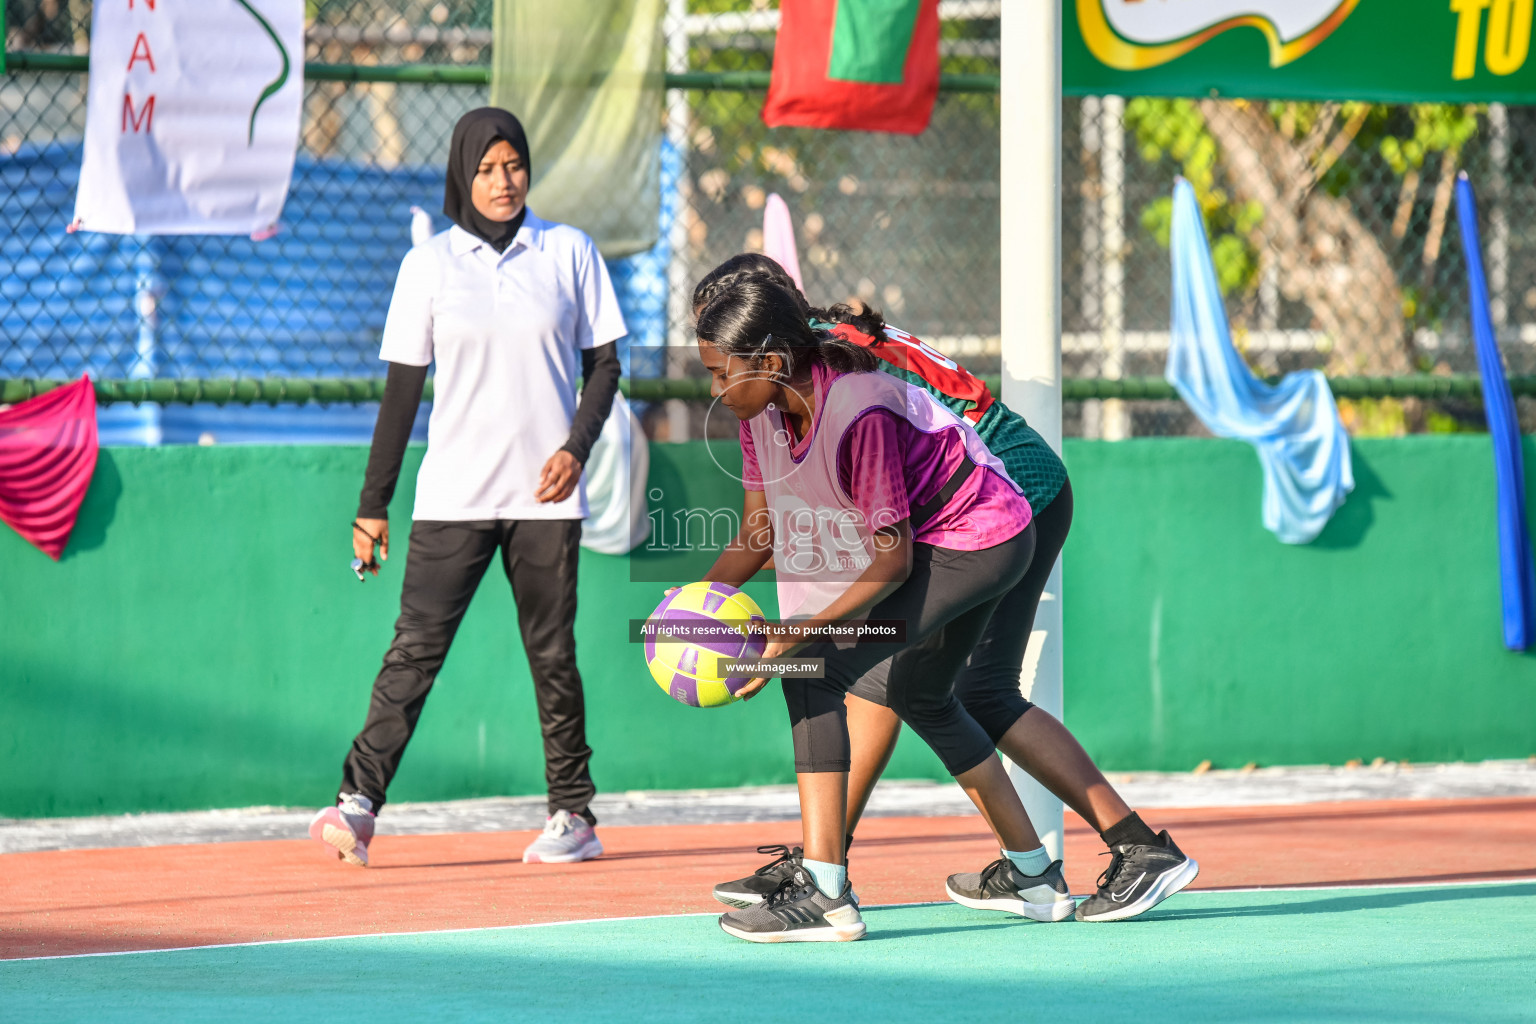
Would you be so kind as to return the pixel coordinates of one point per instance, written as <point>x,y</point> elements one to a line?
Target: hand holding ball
<point>709,621</point>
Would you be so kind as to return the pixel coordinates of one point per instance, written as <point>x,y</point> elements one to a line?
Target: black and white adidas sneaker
<point>1002,886</point>
<point>752,890</point>
<point>1138,878</point>
<point>797,911</point>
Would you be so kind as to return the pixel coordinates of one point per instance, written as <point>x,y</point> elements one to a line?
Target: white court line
<point>713,913</point>
<point>363,935</point>
<point>1372,885</point>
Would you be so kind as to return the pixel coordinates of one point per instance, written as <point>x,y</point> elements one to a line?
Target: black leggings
<point>946,603</point>
<point>988,685</point>
<point>443,568</point>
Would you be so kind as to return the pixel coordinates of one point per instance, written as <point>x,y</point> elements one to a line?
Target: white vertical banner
<point>192,115</point>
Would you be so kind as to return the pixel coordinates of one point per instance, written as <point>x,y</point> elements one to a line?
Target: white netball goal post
<point>1031,310</point>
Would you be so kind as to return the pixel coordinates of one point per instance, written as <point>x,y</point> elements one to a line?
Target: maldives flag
<point>855,65</point>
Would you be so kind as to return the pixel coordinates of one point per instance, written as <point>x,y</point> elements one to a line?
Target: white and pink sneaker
<point>566,839</point>
<point>346,829</point>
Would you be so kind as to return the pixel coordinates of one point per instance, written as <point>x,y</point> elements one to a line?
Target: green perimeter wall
<point>202,643</point>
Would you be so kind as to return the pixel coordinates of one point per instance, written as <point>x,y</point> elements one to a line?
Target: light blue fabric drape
<point>1294,425</point>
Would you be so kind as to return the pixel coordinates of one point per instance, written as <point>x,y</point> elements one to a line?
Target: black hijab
<point>475,133</point>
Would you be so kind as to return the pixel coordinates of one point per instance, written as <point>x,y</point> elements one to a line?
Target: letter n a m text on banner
<point>192,116</point>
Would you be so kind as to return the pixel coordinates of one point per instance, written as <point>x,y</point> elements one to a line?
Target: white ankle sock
<point>1032,863</point>
<point>831,879</point>
<point>357,800</point>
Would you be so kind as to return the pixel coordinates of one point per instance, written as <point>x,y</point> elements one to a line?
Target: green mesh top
<point>1023,452</point>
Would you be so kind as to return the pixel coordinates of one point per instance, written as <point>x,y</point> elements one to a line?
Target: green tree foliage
<point>1175,130</point>
<point>1331,197</point>
<point>1172,129</point>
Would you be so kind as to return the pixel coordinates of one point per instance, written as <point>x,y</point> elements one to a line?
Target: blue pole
<point>1517,578</point>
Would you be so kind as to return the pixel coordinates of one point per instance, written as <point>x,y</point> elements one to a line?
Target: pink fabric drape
<point>779,237</point>
<point>47,455</point>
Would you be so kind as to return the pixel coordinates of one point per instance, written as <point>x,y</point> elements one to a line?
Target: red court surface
<point>89,901</point>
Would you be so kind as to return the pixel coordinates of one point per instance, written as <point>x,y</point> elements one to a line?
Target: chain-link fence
<point>308,303</point>
<point>1332,225</point>
<point>1333,233</point>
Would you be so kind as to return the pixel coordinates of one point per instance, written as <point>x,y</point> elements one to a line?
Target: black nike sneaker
<point>1138,878</point>
<point>797,911</point>
<point>1002,886</point>
<point>752,890</point>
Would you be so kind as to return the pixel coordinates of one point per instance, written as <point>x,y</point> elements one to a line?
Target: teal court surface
<point>1400,953</point>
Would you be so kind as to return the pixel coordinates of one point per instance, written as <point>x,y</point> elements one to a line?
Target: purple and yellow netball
<point>692,630</point>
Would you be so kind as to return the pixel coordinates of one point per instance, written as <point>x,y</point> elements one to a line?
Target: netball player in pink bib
<point>1145,868</point>
<point>879,504</point>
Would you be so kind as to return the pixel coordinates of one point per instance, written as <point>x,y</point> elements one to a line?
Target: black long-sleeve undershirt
<point>600,381</point>
<point>391,433</point>
<point>402,398</point>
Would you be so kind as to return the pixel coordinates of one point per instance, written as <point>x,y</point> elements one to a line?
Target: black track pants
<point>946,602</point>
<point>443,568</point>
<point>988,685</point>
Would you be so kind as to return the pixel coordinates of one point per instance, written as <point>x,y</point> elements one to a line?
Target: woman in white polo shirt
<point>512,308</point>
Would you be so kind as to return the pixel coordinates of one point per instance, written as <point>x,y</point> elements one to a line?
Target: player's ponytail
<point>866,319</point>
<point>757,317</point>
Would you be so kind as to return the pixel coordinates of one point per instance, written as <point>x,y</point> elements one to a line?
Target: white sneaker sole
<point>1060,910</point>
<point>593,848</point>
<point>345,844</point>
<point>741,901</point>
<point>850,933</point>
<point>1168,883</point>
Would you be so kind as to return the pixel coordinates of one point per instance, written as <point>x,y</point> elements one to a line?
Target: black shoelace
<point>992,870</point>
<point>1111,874</point>
<point>784,854</point>
<point>788,891</point>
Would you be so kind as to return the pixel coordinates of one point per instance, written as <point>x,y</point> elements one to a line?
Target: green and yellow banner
<point>1385,51</point>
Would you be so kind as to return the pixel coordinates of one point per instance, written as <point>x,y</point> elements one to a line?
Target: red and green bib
<point>937,372</point>
<point>1032,464</point>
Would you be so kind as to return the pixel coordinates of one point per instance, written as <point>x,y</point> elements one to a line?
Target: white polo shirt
<point>505,330</point>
